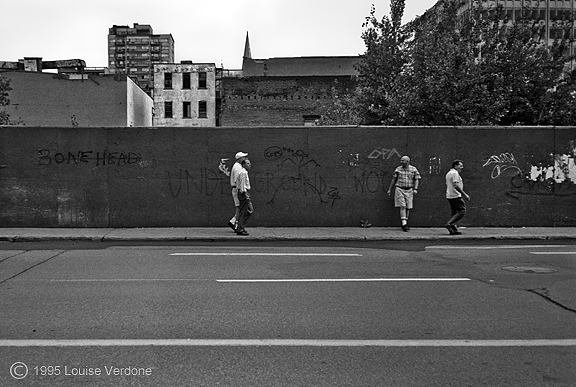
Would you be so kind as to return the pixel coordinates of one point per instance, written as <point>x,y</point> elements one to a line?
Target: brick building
<point>283,91</point>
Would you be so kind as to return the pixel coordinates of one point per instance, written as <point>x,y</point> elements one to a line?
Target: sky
<point>207,31</point>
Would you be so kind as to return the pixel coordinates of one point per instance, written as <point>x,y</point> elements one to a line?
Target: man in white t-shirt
<point>454,193</point>
<point>236,168</point>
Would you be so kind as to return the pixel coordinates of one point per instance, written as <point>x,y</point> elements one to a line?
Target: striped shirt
<point>405,177</point>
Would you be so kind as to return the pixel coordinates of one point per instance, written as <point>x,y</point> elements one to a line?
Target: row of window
<point>186,109</point>
<point>186,80</point>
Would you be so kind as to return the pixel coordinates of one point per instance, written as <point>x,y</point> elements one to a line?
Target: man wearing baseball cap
<point>236,169</point>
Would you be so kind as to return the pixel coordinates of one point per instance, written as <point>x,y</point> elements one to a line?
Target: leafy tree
<point>341,109</point>
<point>4,101</point>
<point>383,61</point>
<point>474,69</point>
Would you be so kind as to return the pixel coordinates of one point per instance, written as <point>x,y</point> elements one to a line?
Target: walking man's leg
<point>234,221</point>
<point>243,214</point>
<point>457,212</point>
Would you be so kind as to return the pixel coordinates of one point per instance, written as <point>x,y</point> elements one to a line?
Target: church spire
<point>247,53</point>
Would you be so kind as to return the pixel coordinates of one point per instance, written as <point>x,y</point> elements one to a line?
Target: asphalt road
<point>288,314</point>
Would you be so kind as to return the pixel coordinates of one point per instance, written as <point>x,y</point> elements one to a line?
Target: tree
<point>382,62</point>
<point>341,109</point>
<point>469,69</point>
<point>4,101</point>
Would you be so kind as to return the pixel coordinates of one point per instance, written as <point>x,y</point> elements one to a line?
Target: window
<point>202,109</point>
<point>186,80</point>
<point>202,80</point>
<point>167,80</point>
<point>311,119</point>
<point>186,110</point>
<point>168,109</point>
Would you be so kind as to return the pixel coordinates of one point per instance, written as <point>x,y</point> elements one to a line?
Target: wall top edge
<point>291,127</point>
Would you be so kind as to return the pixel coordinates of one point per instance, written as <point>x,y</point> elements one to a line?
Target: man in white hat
<point>406,179</point>
<point>236,169</point>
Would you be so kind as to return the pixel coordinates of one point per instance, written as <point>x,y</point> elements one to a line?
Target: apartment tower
<point>134,51</point>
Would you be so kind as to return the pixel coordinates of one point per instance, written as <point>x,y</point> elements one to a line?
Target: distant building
<point>134,51</point>
<point>72,97</point>
<point>283,91</point>
<point>185,94</point>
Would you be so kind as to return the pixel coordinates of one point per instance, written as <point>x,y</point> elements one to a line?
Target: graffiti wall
<point>301,176</point>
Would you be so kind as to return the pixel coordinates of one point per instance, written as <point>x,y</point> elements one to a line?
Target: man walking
<point>245,209</point>
<point>236,168</point>
<point>454,193</point>
<point>406,179</point>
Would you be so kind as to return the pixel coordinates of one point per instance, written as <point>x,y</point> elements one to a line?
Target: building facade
<point>74,98</point>
<point>185,94</point>
<point>284,91</point>
<point>134,51</point>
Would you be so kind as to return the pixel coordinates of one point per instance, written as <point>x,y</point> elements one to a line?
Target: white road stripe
<point>128,279</point>
<point>287,343</point>
<point>447,247</point>
<point>264,280</point>
<point>348,280</point>
<point>271,254</point>
<point>553,252</point>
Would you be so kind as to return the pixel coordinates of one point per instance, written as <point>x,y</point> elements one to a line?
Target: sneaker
<point>232,226</point>
<point>405,227</point>
<point>243,232</point>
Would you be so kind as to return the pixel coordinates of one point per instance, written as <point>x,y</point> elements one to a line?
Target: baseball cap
<point>241,154</point>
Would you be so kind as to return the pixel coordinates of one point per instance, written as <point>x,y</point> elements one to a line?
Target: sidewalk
<point>217,234</point>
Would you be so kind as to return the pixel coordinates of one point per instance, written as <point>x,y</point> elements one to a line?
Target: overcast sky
<point>211,31</point>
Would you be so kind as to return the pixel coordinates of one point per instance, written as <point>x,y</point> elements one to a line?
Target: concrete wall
<point>301,176</point>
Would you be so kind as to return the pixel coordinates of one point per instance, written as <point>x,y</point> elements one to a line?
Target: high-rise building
<point>134,51</point>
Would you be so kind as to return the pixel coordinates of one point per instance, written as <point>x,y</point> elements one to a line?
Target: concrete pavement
<point>215,234</point>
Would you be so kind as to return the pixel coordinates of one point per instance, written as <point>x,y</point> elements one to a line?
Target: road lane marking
<point>553,252</point>
<point>264,280</point>
<point>447,247</point>
<point>286,343</point>
<point>127,279</point>
<point>347,280</point>
<point>272,254</point>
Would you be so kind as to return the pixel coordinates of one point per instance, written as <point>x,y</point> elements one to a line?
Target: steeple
<point>247,53</point>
